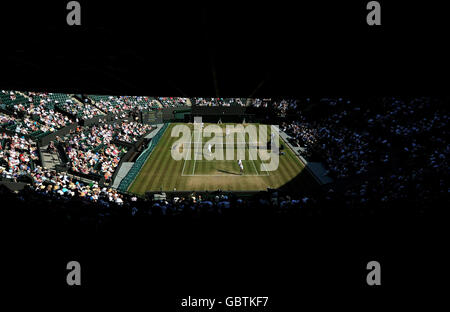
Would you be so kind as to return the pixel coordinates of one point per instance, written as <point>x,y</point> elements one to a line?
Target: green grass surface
<point>162,172</point>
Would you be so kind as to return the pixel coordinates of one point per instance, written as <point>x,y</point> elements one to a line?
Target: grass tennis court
<point>162,172</point>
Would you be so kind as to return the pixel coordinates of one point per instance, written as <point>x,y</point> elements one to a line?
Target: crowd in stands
<point>120,104</point>
<point>6,120</point>
<point>130,131</point>
<point>199,101</point>
<point>80,110</point>
<point>92,206</point>
<point>256,102</point>
<point>9,98</point>
<point>17,156</point>
<point>66,186</point>
<point>173,101</point>
<point>33,106</point>
<point>107,104</point>
<point>90,150</point>
<point>42,106</point>
<point>139,103</point>
<point>386,153</point>
<point>282,106</point>
<point>25,126</point>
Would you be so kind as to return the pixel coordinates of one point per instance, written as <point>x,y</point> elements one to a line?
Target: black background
<point>227,49</point>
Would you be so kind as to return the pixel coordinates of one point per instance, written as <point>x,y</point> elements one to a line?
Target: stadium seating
<point>220,101</point>
<point>18,156</point>
<point>174,101</point>
<point>381,153</point>
<point>119,104</point>
<point>11,98</point>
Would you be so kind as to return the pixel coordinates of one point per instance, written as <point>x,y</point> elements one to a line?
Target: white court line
<point>195,144</point>
<point>184,165</point>
<point>193,168</point>
<point>256,170</point>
